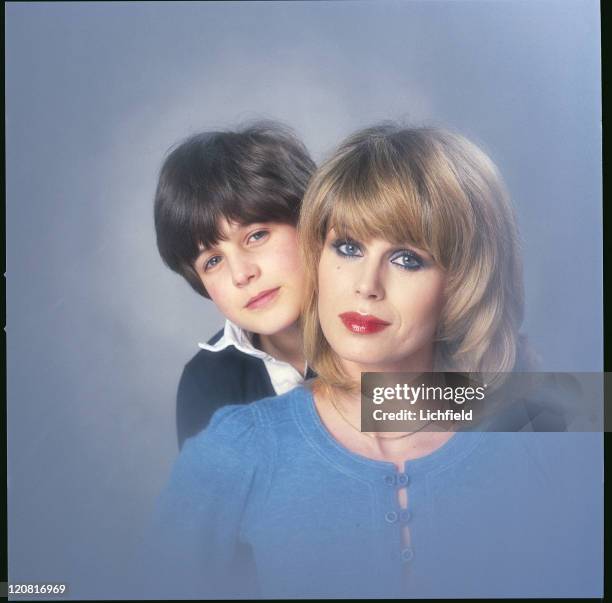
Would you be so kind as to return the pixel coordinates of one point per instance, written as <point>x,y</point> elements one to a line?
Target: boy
<point>226,208</point>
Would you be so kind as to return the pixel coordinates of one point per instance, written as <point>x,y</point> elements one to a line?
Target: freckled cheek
<point>332,281</point>
<point>339,273</point>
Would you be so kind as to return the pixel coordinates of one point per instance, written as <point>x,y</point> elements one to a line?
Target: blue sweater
<point>266,502</point>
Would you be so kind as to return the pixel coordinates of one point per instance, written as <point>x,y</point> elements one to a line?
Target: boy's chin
<point>269,327</point>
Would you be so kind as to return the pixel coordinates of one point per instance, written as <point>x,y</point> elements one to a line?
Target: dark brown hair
<point>258,173</point>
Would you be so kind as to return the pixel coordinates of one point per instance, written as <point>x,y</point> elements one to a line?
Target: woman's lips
<point>261,299</point>
<point>363,324</point>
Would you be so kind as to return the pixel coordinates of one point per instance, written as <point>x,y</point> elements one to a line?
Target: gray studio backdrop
<point>99,330</point>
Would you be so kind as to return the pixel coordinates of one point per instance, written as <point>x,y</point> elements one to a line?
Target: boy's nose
<point>243,272</point>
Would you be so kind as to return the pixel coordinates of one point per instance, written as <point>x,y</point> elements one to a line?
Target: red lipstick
<point>261,299</point>
<point>363,324</point>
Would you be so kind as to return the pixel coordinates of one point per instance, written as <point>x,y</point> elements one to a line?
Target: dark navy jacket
<point>211,380</point>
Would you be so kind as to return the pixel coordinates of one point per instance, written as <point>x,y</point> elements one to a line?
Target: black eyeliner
<point>338,243</point>
<point>421,263</point>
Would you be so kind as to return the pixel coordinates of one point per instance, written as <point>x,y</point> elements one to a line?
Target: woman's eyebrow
<point>333,232</point>
<point>414,248</point>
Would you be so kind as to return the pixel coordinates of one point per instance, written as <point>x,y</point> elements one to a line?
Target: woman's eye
<point>347,248</point>
<point>259,235</point>
<point>211,262</point>
<point>407,260</point>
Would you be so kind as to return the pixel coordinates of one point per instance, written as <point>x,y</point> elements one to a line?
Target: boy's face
<point>255,276</point>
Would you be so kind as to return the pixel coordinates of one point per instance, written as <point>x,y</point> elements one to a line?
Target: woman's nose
<point>369,284</point>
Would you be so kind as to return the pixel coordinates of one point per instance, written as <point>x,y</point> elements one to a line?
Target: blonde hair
<point>440,192</point>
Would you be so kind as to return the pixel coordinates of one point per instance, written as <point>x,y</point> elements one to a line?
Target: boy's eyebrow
<point>223,237</point>
<point>203,249</point>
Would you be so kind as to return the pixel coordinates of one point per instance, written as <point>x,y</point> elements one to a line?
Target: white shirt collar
<point>239,338</point>
<point>283,375</point>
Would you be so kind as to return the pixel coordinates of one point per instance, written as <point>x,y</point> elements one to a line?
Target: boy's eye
<point>408,260</point>
<point>347,248</point>
<point>258,236</point>
<point>211,262</point>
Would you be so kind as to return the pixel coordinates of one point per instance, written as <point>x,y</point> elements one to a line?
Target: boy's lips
<point>261,299</point>
<point>363,324</point>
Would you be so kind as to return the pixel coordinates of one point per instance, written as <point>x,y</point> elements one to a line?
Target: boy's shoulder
<point>226,376</point>
<point>214,378</point>
<point>263,420</point>
<point>219,362</point>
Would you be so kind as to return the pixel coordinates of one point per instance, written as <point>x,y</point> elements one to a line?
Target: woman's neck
<point>421,361</point>
<point>286,345</point>
<point>340,412</point>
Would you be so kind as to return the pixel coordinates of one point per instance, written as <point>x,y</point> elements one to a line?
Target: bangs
<point>408,193</point>
<point>369,205</point>
<point>205,227</point>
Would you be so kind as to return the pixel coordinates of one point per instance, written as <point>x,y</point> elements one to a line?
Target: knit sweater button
<point>403,479</point>
<point>405,516</point>
<point>390,480</point>
<point>391,517</point>
<point>407,555</point>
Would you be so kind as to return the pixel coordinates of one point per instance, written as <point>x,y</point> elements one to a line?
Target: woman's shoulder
<point>280,411</point>
<point>233,426</point>
<point>238,444</point>
<point>226,453</point>
<point>240,425</point>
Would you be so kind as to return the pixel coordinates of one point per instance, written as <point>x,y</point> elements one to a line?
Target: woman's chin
<point>383,361</point>
<point>366,362</point>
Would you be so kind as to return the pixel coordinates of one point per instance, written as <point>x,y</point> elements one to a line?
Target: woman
<point>409,246</point>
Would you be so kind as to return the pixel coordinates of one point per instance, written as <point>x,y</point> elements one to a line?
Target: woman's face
<point>379,304</point>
